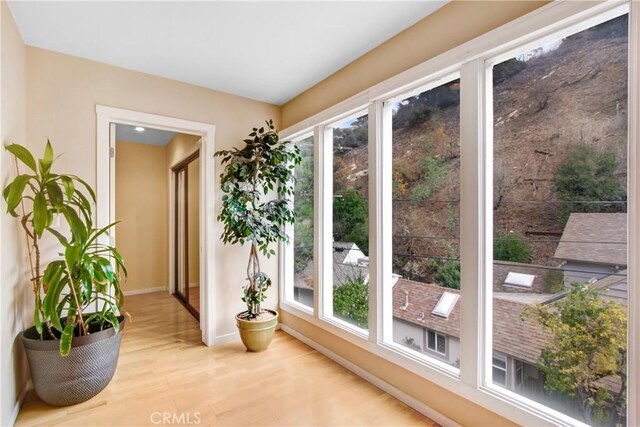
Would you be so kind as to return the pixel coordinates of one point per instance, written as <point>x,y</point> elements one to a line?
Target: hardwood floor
<point>165,371</point>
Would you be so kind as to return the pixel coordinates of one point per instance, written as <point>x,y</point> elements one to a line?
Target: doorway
<point>186,205</point>
<point>107,118</point>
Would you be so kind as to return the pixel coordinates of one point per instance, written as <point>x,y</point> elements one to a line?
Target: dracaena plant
<point>84,277</point>
<point>257,183</point>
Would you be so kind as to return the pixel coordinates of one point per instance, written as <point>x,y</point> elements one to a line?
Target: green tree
<point>587,343</point>
<point>351,300</point>
<point>510,247</point>
<point>587,175</point>
<point>448,274</point>
<point>351,219</point>
<point>303,206</point>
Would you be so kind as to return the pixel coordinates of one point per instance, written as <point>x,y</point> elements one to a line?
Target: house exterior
<point>517,344</point>
<point>593,246</point>
<point>348,262</point>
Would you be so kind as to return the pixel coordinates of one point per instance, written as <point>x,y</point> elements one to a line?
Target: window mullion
<point>324,240</point>
<point>376,276</point>
<point>475,190</point>
<point>633,352</point>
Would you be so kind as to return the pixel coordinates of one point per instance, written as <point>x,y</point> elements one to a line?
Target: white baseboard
<point>144,291</point>
<point>16,409</point>
<point>221,339</point>
<point>416,404</point>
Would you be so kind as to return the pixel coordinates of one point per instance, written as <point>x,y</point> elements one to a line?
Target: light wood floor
<point>164,368</point>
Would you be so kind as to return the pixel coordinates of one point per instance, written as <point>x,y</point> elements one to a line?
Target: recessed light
<point>139,129</point>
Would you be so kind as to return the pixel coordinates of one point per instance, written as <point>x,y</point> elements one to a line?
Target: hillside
<point>544,103</point>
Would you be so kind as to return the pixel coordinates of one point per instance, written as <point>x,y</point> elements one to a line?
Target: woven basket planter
<point>85,372</point>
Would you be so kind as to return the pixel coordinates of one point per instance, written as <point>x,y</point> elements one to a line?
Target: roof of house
<point>341,272</point>
<point>511,335</point>
<point>596,238</point>
<point>542,282</point>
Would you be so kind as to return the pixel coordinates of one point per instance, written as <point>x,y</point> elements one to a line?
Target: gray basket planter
<point>72,379</point>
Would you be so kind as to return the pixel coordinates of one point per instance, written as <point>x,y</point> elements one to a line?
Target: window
<point>560,221</point>
<point>426,213</point>
<point>350,214</point>
<point>303,240</point>
<point>499,364</point>
<point>437,342</point>
<point>510,157</point>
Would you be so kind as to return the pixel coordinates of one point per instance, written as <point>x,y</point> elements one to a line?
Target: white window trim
<point>470,59</point>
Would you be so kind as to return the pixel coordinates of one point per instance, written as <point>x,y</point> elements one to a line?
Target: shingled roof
<point>511,335</point>
<point>595,237</point>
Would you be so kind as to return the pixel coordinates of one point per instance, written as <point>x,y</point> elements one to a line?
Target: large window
<point>426,218</point>
<point>350,219</point>
<point>473,224</point>
<point>560,222</point>
<point>303,240</point>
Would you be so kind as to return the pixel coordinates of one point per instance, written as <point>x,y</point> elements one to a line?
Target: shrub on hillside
<point>588,175</point>
<point>510,247</point>
<point>448,275</point>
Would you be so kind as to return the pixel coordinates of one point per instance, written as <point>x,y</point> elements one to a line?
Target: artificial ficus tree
<point>257,182</point>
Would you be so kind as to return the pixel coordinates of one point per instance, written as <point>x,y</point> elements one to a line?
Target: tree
<point>510,247</point>
<point>448,275</point>
<point>351,300</point>
<point>303,206</point>
<point>587,343</point>
<point>351,219</point>
<point>588,175</point>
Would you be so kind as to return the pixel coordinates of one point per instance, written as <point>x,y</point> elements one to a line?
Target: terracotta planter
<point>85,372</point>
<point>256,335</point>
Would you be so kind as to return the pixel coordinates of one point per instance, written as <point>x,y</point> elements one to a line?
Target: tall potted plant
<point>257,182</point>
<point>74,344</point>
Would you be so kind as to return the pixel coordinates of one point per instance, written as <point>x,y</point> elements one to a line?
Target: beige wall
<point>15,292</point>
<point>448,27</point>
<point>62,93</point>
<point>141,206</point>
<point>453,24</point>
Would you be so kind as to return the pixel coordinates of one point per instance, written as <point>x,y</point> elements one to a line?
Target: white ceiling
<point>265,50</point>
<point>148,136</point>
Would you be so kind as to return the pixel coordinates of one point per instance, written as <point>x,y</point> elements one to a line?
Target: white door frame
<point>105,191</point>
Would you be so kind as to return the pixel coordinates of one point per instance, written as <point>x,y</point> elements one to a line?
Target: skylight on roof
<point>445,304</point>
<point>519,279</point>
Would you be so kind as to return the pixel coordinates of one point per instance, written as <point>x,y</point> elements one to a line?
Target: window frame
<point>473,61</point>
<point>436,335</point>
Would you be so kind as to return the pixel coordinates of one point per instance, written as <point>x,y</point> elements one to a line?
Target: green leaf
<point>48,152</point>
<point>65,340</point>
<point>63,240</point>
<point>36,319</point>
<point>78,229</point>
<point>71,255</point>
<point>23,155</point>
<point>15,190</point>
<point>55,195</point>
<point>69,188</point>
<point>40,213</point>
<point>113,320</point>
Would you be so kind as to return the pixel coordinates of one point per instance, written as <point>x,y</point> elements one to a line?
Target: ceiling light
<point>139,129</point>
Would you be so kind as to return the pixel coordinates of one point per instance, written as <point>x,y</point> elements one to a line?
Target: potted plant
<point>74,344</point>
<point>257,182</point>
